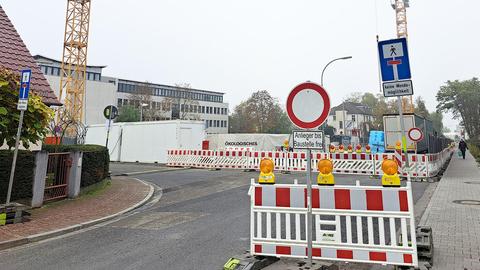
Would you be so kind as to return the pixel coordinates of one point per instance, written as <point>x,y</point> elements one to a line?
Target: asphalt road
<point>200,221</point>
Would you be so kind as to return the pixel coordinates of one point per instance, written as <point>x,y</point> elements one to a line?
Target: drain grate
<point>472,182</point>
<point>467,202</point>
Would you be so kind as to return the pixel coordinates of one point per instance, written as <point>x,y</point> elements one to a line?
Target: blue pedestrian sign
<point>24,89</point>
<point>394,62</point>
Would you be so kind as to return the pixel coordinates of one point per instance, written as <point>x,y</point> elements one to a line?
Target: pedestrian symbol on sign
<point>392,51</point>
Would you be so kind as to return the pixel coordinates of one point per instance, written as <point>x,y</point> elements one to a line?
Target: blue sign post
<point>24,89</point>
<point>395,67</point>
<point>396,77</point>
<point>22,107</point>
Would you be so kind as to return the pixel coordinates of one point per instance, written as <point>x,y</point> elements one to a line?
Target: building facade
<point>154,101</point>
<point>350,118</point>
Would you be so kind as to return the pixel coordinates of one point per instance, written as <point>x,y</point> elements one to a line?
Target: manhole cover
<point>467,202</point>
<point>472,183</point>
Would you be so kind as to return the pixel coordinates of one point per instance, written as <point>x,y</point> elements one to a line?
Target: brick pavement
<point>120,195</point>
<point>456,227</point>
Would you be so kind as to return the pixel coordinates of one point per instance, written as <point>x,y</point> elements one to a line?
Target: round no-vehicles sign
<point>308,105</point>
<point>415,134</point>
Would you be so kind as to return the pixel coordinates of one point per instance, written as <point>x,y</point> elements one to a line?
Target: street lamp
<point>141,110</point>
<point>336,59</point>
<point>321,81</point>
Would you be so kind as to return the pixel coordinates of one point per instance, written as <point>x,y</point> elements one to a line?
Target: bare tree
<point>141,96</point>
<point>186,104</point>
<point>64,125</point>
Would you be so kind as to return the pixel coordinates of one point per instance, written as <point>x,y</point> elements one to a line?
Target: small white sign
<point>392,50</point>
<point>308,140</point>
<point>22,104</point>
<point>398,88</point>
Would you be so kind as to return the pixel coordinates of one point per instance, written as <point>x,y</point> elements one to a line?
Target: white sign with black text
<point>398,88</point>
<point>308,140</point>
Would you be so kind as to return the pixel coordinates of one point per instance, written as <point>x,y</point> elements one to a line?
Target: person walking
<point>462,145</point>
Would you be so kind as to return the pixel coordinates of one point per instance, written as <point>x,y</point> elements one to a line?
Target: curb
<point>51,234</point>
<point>151,171</point>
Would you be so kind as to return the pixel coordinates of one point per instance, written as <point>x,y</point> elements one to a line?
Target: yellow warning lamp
<point>285,145</point>
<point>341,148</point>
<point>398,145</point>
<point>358,148</point>
<point>266,172</point>
<point>332,148</point>
<point>350,148</point>
<point>368,149</point>
<point>390,176</point>
<point>325,169</point>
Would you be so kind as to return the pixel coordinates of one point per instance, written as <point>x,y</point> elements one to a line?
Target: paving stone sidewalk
<point>122,194</point>
<point>456,227</point>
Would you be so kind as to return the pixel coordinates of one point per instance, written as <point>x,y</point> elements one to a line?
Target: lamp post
<point>321,81</point>
<point>336,59</point>
<point>141,110</point>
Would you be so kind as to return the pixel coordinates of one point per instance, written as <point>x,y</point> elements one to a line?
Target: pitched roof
<point>15,56</point>
<point>352,108</point>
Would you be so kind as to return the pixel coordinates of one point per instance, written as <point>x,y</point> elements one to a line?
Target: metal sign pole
<point>309,205</point>
<point>402,122</point>
<point>15,153</point>
<point>109,124</point>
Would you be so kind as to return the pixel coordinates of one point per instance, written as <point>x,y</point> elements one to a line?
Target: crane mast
<point>400,7</point>
<point>74,59</point>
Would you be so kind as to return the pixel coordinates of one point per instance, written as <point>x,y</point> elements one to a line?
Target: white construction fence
<point>421,165</point>
<point>350,223</point>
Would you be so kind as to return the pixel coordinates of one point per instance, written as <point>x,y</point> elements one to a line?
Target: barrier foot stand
<point>248,262</point>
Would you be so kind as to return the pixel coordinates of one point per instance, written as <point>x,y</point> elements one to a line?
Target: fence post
<point>39,175</point>
<point>75,176</point>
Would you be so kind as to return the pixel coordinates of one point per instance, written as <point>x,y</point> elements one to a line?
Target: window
<point>210,123</point>
<point>340,124</point>
<point>203,109</point>
<point>119,102</point>
<point>334,117</point>
<point>353,118</point>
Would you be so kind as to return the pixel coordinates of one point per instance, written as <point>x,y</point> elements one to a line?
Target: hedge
<point>23,180</point>
<point>95,163</point>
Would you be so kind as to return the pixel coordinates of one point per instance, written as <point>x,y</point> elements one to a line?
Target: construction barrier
<point>421,165</point>
<point>350,223</point>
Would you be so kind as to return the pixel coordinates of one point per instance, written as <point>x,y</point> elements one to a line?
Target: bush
<point>23,180</point>
<point>95,163</point>
<point>474,147</point>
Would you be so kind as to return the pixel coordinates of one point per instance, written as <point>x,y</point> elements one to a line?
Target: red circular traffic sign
<point>308,105</point>
<point>415,134</point>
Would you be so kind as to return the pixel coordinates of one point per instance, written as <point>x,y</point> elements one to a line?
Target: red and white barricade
<point>231,159</point>
<point>279,159</point>
<point>421,165</point>
<point>353,163</point>
<point>349,223</point>
<point>180,158</point>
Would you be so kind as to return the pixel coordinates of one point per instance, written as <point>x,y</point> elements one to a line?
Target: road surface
<point>200,221</point>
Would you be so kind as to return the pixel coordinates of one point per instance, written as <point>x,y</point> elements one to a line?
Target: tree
<point>261,113</point>
<point>128,113</point>
<point>36,117</point>
<point>421,108</point>
<point>141,96</point>
<point>184,106</point>
<point>462,98</point>
<point>355,97</point>
<point>437,121</point>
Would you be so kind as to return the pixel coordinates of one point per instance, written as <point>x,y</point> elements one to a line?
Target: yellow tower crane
<point>74,59</point>
<point>400,7</point>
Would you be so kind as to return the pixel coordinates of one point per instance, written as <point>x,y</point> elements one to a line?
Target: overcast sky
<point>239,47</point>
